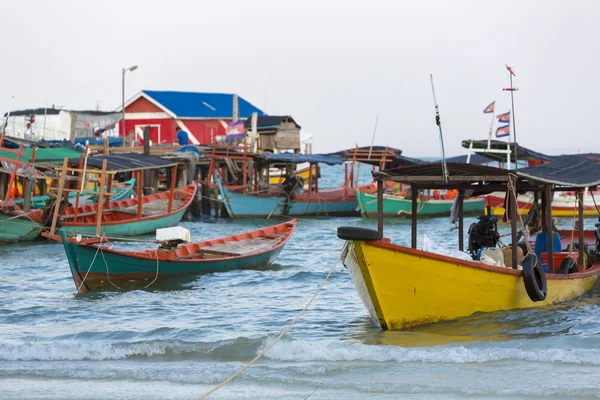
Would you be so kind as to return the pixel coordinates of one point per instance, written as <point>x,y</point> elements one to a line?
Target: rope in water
<point>286,330</point>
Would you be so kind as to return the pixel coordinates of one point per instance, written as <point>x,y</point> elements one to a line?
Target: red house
<point>203,116</point>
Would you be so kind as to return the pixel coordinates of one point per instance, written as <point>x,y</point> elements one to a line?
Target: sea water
<point>178,342</point>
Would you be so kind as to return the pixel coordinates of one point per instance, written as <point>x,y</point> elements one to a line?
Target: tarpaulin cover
<point>573,171</point>
<point>297,158</point>
<point>125,162</point>
<point>475,159</point>
<point>43,156</point>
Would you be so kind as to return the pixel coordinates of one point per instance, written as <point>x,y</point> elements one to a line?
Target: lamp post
<point>132,68</point>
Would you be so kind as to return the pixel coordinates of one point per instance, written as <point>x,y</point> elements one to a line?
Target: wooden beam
<point>580,225</point>
<point>461,220</point>
<point>549,226</point>
<point>413,216</point>
<point>140,193</point>
<point>172,188</point>
<point>455,178</point>
<point>101,199</point>
<point>379,208</point>
<point>61,185</point>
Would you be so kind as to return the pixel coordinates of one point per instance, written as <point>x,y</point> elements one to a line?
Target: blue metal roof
<point>202,105</point>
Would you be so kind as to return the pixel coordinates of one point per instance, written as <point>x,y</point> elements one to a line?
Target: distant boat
<point>563,204</point>
<point>399,206</point>
<point>121,217</point>
<point>119,268</point>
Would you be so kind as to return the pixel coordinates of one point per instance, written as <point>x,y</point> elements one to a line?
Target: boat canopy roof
<point>126,162</point>
<point>523,153</point>
<point>42,155</point>
<point>432,173</point>
<point>376,156</point>
<point>475,159</point>
<point>289,158</point>
<point>573,171</point>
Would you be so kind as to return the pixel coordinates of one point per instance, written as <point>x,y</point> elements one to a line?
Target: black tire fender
<point>354,233</point>
<point>568,266</point>
<point>534,278</point>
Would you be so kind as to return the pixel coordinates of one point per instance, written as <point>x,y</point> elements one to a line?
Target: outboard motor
<point>483,234</point>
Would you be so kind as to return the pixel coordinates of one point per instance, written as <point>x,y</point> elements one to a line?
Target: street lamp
<point>132,68</point>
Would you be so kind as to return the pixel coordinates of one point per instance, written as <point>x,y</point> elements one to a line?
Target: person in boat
<point>288,187</point>
<point>182,136</point>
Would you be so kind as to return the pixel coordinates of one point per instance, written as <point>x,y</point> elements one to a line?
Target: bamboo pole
<point>79,187</point>
<point>61,185</point>
<point>101,199</point>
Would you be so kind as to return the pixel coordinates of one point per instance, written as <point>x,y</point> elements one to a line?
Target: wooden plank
<point>101,199</point>
<point>172,188</point>
<point>61,185</point>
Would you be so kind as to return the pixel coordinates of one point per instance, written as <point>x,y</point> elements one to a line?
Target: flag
<point>504,117</point>
<point>235,130</point>
<point>503,131</point>
<point>490,108</point>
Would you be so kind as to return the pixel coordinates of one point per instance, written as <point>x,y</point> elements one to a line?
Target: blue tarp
<point>475,159</point>
<point>111,141</point>
<point>297,158</point>
<point>189,148</point>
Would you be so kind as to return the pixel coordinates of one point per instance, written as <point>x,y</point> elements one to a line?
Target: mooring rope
<point>286,330</point>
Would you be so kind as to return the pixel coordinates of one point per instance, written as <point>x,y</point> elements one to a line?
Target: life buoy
<point>534,278</point>
<point>354,233</point>
<point>568,266</point>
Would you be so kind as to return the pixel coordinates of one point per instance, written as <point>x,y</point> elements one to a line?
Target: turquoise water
<point>178,342</point>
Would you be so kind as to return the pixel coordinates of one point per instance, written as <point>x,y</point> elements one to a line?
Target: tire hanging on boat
<point>568,266</point>
<point>534,278</point>
<point>354,233</point>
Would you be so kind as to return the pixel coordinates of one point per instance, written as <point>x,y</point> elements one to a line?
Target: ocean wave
<point>332,350</point>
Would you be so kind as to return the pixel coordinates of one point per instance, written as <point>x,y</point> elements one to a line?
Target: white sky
<point>332,65</point>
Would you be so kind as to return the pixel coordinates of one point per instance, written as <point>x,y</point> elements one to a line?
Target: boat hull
<point>562,205</point>
<point>242,205</point>
<point>394,206</point>
<point>18,229</point>
<point>403,287</point>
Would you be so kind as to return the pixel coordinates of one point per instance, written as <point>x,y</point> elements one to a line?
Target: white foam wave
<point>331,350</point>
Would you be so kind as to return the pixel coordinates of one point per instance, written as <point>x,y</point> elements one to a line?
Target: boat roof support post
<point>461,220</point>
<point>549,226</point>
<point>140,193</point>
<point>101,195</point>
<point>580,225</point>
<point>380,208</point>
<point>61,185</point>
<point>172,188</point>
<point>413,214</point>
<point>513,221</point>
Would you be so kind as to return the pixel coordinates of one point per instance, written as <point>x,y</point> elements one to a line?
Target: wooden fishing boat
<point>304,170</point>
<point>399,206</point>
<point>403,286</point>
<point>120,193</point>
<point>563,204</point>
<point>130,217</point>
<point>325,203</point>
<point>113,269</point>
<point>16,226</point>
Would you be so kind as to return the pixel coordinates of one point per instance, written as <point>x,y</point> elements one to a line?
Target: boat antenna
<point>439,124</point>
<point>373,138</point>
<point>512,89</point>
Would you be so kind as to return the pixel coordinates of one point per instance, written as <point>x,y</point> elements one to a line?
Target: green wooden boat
<point>96,266</point>
<point>15,226</point>
<point>121,193</point>
<point>395,206</point>
<point>121,217</point>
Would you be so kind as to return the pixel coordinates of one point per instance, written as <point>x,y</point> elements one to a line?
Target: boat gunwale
<point>185,191</point>
<point>594,270</point>
<point>288,228</point>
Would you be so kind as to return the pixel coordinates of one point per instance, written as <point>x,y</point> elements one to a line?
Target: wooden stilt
<point>549,226</point>
<point>172,188</point>
<point>103,177</point>
<point>140,193</point>
<point>380,208</point>
<point>413,214</point>
<point>461,220</point>
<point>61,185</point>
<point>580,226</point>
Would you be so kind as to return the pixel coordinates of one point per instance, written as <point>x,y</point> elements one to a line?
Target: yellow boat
<point>402,287</point>
<point>302,171</point>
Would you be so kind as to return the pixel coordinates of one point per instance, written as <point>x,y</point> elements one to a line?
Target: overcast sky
<point>333,65</point>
